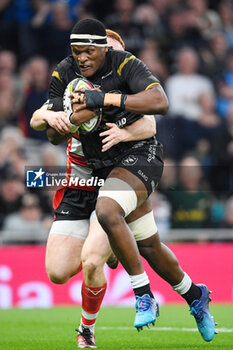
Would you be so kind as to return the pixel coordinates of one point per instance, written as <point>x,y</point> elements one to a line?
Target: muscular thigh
<point>63,254</point>
<point>68,231</point>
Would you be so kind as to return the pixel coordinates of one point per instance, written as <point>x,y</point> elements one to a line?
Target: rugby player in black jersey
<point>132,170</point>
<point>139,152</point>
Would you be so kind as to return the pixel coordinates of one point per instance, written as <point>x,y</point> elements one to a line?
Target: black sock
<point>140,291</point>
<point>194,293</point>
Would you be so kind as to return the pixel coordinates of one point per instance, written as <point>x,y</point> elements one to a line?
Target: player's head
<point>114,40</point>
<point>88,41</point>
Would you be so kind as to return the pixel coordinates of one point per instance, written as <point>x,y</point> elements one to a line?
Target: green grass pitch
<point>53,329</point>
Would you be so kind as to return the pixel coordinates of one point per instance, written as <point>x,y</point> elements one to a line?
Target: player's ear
<point>106,49</point>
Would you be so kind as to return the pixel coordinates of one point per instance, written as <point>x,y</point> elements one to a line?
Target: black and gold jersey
<point>121,73</point>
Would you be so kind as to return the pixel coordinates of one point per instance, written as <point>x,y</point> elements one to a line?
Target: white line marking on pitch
<point>175,329</point>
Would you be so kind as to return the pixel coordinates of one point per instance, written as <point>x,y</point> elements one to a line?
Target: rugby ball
<point>73,86</point>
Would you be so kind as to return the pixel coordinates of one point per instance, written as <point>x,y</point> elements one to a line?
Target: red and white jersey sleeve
<point>77,166</point>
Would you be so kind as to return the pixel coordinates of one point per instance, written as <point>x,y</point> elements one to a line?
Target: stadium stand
<point>159,32</point>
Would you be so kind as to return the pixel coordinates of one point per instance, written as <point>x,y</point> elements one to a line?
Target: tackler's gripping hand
<point>94,99</point>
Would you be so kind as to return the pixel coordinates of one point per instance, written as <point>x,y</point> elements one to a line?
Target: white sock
<point>139,280</point>
<point>184,285</point>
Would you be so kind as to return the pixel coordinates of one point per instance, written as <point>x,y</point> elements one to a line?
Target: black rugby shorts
<point>76,204</point>
<point>145,160</point>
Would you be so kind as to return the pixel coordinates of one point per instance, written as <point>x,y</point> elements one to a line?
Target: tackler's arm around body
<point>56,124</point>
<point>141,129</point>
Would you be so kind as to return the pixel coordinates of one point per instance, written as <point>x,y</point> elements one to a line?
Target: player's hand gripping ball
<point>74,85</point>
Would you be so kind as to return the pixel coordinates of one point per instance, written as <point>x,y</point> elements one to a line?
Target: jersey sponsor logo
<point>120,123</point>
<point>152,153</point>
<point>144,176</point>
<point>130,160</point>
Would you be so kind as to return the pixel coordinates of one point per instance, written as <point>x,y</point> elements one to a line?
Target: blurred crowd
<point>187,44</point>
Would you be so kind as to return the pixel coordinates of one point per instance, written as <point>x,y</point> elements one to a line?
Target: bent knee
<point>58,277</point>
<point>91,268</point>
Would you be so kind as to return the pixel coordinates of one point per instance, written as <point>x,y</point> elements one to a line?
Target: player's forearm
<point>151,101</point>
<point>39,119</point>
<point>142,129</point>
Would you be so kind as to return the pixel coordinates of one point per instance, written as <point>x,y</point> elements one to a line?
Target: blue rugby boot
<point>147,310</point>
<point>200,310</point>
